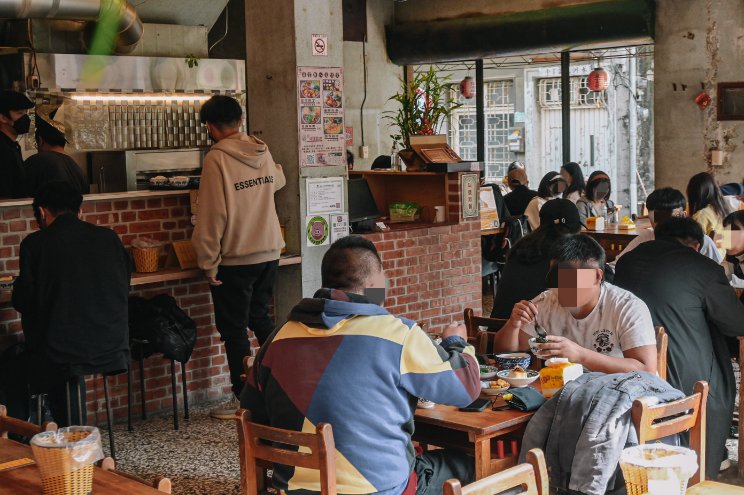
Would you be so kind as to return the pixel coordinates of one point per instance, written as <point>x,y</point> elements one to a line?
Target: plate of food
<point>488,371</point>
<point>494,387</point>
<point>333,125</point>
<point>310,89</point>
<point>333,99</point>
<point>310,115</point>
<point>518,377</point>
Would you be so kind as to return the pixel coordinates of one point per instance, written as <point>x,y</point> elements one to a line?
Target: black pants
<point>241,303</point>
<point>435,467</point>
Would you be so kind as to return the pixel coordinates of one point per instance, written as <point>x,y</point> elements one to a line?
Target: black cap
<point>561,212</point>
<point>13,100</point>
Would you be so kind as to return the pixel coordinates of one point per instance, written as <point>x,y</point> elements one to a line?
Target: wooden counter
<point>5,203</point>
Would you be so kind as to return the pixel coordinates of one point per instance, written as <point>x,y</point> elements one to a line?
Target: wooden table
<point>614,239</point>
<point>446,426</point>
<point>714,488</point>
<point>27,481</point>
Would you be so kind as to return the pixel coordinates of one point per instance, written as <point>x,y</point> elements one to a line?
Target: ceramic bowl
<point>534,346</point>
<point>519,382</point>
<point>510,360</point>
<point>494,391</point>
<point>487,371</point>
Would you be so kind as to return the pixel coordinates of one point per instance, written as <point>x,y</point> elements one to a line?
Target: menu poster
<point>320,97</point>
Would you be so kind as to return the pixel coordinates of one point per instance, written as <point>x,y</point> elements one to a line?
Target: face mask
<point>22,125</point>
<point>375,295</point>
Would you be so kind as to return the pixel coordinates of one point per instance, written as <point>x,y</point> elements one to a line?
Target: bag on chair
<point>165,326</point>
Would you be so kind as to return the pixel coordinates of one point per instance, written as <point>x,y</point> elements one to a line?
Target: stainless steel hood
<point>61,73</point>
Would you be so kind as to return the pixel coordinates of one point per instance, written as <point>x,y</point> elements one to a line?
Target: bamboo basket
<point>59,464</point>
<point>146,260</point>
<point>657,468</point>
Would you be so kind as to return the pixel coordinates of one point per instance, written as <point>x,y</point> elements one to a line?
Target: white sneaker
<point>726,464</point>
<point>228,410</point>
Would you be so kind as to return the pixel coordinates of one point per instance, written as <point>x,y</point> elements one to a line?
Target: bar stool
<point>140,344</point>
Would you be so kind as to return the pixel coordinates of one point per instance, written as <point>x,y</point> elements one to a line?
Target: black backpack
<point>496,247</point>
<point>165,327</point>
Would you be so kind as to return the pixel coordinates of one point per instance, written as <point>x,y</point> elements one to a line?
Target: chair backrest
<point>474,323</point>
<point>662,346</point>
<point>316,451</point>
<point>19,427</point>
<point>160,484</point>
<point>531,476</point>
<point>653,422</point>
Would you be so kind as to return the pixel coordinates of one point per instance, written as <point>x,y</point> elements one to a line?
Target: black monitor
<point>362,207</point>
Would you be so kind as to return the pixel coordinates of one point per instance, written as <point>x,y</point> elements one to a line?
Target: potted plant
<point>423,108</point>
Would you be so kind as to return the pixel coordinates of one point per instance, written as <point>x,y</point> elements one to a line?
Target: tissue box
<point>595,223</point>
<point>556,373</point>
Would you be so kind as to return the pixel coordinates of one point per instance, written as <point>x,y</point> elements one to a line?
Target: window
<point>499,111</point>
<point>549,93</point>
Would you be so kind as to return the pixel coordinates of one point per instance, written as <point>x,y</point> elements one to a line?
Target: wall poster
<point>320,97</point>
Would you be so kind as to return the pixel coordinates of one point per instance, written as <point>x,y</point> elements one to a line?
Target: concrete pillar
<point>278,41</point>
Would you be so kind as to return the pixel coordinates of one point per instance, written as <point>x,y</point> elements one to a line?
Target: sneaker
<point>227,410</point>
<point>726,464</point>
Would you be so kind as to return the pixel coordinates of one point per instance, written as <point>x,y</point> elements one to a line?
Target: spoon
<point>538,328</point>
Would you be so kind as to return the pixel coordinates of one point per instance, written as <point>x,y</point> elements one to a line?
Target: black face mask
<point>22,125</point>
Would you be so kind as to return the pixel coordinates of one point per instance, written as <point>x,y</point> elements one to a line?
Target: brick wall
<point>164,218</point>
<point>434,273</point>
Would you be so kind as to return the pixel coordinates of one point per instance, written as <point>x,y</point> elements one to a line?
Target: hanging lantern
<point>599,80</point>
<point>467,88</point>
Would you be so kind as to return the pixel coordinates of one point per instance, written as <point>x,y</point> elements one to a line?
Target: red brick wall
<point>434,273</point>
<point>166,219</point>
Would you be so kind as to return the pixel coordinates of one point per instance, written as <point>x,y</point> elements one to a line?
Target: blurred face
<point>375,290</point>
<point>601,191</point>
<point>732,240</point>
<point>578,287</point>
<point>566,176</point>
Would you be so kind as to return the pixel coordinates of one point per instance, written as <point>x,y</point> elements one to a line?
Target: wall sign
<point>320,45</point>
<point>470,195</point>
<point>325,195</point>
<point>339,226</point>
<point>317,230</point>
<point>320,98</point>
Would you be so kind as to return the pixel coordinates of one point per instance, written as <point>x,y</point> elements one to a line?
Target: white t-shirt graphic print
<point>619,322</point>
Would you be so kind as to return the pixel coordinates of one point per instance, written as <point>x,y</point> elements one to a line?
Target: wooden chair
<point>658,421</point>
<point>531,476</point>
<point>160,484</point>
<point>19,427</point>
<point>662,346</point>
<point>256,443</point>
<point>474,323</point>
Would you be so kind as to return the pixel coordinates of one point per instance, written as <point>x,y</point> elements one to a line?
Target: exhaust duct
<point>129,27</point>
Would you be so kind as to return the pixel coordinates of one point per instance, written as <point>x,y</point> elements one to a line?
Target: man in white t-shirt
<point>590,322</point>
<point>663,204</point>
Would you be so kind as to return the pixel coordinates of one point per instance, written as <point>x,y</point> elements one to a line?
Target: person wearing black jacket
<point>14,121</point>
<point>688,294</point>
<point>72,293</point>
<point>520,195</point>
<point>528,262</point>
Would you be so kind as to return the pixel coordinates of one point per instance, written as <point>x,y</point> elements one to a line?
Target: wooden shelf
<point>391,173</point>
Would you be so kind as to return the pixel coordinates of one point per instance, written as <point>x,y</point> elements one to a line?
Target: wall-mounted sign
<point>470,195</point>
<point>339,226</point>
<point>320,45</point>
<point>325,195</point>
<point>317,230</point>
<point>321,114</point>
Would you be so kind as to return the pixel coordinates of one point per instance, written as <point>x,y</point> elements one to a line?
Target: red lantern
<point>599,80</point>
<point>467,88</point>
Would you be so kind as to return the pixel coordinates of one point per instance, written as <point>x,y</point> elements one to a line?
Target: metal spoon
<point>538,328</point>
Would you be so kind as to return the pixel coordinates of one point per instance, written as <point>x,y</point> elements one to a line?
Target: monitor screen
<point>361,203</point>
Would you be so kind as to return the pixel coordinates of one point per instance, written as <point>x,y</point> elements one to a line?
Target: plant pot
<point>413,162</point>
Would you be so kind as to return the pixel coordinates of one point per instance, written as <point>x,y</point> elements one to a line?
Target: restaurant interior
<point>413,125</point>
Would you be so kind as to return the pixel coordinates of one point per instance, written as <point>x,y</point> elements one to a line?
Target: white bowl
<point>492,370</point>
<point>533,345</point>
<point>494,391</point>
<point>519,382</point>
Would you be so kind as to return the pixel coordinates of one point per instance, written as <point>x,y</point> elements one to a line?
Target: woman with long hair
<point>596,196</point>
<point>706,203</point>
<point>574,177</point>
<point>551,186</point>
<point>528,262</point>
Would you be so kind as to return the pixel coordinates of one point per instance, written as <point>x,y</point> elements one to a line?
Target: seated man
<point>342,359</point>
<point>732,240</point>
<point>590,322</point>
<point>72,293</point>
<point>662,205</point>
<point>690,297</point>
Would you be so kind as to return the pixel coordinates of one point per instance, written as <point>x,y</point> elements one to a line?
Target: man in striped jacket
<point>343,359</point>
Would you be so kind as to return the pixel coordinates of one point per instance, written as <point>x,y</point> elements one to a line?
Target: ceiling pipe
<point>129,31</point>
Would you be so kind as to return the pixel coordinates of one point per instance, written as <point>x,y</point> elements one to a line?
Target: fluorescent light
<point>142,97</point>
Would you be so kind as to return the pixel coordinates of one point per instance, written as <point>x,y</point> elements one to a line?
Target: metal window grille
<point>499,111</point>
<point>549,93</point>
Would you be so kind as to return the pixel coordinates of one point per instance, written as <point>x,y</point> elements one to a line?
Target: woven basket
<point>647,462</point>
<point>146,260</point>
<point>58,476</point>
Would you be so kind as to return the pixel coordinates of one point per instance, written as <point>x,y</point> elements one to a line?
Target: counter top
<point>104,196</point>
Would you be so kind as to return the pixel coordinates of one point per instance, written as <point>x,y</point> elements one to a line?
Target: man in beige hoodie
<point>237,236</point>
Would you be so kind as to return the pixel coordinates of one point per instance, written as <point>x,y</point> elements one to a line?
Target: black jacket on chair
<point>72,293</point>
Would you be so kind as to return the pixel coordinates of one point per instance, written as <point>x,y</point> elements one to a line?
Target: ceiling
<point>183,12</point>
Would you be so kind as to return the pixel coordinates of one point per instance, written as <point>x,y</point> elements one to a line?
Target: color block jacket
<point>344,361</point>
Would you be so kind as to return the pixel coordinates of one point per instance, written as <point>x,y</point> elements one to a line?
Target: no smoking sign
<point>320,45</point>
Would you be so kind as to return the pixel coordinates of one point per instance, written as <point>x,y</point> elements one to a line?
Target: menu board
<point>320,99</point>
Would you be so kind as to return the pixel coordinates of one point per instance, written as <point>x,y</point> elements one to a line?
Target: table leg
<point>482,457</point>
<point>741,409</point>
